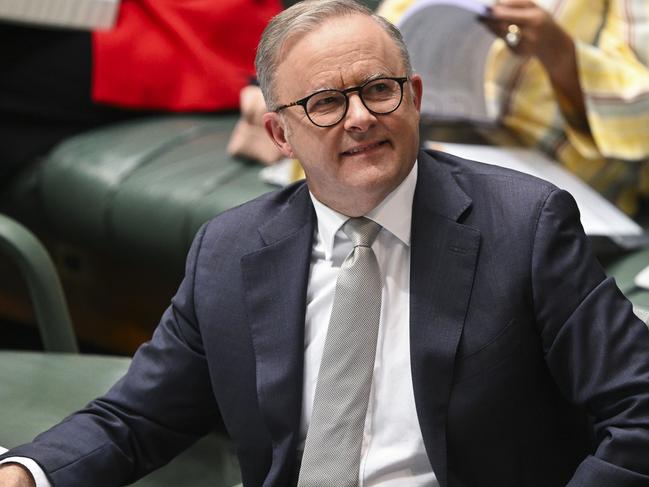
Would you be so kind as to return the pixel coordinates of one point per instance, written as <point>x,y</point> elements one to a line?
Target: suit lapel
<point>276,279</point>
<point>443,259</point>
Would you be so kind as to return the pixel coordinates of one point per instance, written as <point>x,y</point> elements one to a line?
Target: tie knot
<point>361,231</point>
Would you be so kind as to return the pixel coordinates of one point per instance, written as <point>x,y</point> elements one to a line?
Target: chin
<point>371,189</point>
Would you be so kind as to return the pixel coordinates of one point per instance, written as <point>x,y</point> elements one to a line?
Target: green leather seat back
<point>143,187</point>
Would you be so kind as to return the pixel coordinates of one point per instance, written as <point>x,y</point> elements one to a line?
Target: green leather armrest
<point>38,390</point>
<point>43,283</point>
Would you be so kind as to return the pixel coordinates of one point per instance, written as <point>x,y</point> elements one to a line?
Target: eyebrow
<point>380,74</point>
<point>367,79</point>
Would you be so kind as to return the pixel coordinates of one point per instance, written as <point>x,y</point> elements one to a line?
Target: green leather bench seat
<point>143,187</point>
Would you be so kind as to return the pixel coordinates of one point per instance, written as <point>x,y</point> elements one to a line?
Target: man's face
<point>351,166</point>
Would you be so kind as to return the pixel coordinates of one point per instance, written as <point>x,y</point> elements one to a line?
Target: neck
<point>352,207</point>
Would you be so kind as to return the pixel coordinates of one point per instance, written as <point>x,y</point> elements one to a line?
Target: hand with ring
<point>527,29</point>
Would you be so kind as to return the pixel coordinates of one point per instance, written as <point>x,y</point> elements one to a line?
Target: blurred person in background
<point>574,77</point>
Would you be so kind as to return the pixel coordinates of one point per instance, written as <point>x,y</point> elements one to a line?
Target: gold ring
<point>513,36</point>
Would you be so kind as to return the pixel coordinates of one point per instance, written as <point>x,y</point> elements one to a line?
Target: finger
<point>517,14</point>
<point>502,29</point>
<point>515,3</point>
<point>497,27</point>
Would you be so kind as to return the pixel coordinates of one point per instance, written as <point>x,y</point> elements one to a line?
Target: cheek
<point>299,136</point>
<point>409,134</point>
<point>318,144</point>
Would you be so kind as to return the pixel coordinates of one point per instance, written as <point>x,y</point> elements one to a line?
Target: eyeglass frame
<point>303,101</point>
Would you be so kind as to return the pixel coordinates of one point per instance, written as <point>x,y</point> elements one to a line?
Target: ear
<point>417,90</point>
<point>274,126</point>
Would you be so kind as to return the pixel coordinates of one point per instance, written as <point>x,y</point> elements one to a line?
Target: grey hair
<point>304,17</point>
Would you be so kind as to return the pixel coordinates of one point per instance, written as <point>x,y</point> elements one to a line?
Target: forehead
<point>342,51</point>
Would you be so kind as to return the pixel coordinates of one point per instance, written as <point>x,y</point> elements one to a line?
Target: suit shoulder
<point>237,230</point>
<point>500,196</point>
<point>472,174</point>
<point>250,215</point>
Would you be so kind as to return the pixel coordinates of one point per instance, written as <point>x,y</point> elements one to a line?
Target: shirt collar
<point>394,214</point>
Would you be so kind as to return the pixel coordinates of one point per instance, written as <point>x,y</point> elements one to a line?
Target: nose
<point>358,117</point>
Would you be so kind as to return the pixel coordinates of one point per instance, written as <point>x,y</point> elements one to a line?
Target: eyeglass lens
<point>379,96</point>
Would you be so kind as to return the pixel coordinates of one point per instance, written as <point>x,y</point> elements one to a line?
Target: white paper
<point>78,14</point>
<point>599,217</point>
<point>448,47</point>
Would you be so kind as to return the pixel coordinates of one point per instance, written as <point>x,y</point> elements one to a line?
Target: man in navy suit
<point>504,357</point>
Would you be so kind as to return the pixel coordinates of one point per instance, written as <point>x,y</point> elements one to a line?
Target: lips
<point>360,149</point>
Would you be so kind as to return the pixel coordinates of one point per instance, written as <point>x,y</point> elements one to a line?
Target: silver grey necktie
<point>333,442</point>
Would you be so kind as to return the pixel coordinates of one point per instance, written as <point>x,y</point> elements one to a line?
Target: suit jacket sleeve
<point>161,406</point>
<point>595,347</point>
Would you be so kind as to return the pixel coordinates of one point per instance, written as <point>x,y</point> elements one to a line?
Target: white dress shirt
<point>31,465</point>
<point>392,451</point>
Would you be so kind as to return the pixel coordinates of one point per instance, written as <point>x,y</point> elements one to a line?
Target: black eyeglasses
<point>328,107</point>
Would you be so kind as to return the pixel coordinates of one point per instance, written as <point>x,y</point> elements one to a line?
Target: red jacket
<point>181,55</point>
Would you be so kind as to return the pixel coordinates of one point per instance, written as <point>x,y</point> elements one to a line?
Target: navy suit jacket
<point>528,365</point>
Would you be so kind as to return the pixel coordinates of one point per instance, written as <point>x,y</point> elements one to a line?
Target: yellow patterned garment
<point>612,46</point>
